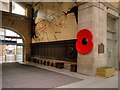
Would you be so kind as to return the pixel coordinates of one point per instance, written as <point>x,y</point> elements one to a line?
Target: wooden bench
<point>56,63</point>
<point>72,66</point>
<point>59,65</point>
<point>35,60</point>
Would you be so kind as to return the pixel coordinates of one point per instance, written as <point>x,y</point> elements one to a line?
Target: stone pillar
<point>93,16</point>
<point>27,50</point>
<point>119,42</point>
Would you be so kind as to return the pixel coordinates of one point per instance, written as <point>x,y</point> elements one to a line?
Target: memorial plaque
<point>101,48</point>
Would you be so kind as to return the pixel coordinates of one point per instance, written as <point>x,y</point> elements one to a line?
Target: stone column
<point>93,16</point>
<point>27,50</point>
<point>119,42</point>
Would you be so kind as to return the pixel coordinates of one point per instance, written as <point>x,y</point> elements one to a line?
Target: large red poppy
<point>84,42</point>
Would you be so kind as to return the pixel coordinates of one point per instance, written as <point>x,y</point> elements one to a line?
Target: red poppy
<point>84,42</point>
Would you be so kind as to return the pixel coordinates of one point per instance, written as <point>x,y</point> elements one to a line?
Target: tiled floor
<point>88,82</point>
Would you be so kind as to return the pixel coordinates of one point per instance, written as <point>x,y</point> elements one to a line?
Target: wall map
<point>53,21</point>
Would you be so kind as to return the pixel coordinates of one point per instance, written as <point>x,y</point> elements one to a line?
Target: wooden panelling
<point>64,50</point>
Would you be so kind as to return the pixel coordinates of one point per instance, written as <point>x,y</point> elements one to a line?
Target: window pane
<point>11,33</point>
<point>8,39</point>
<point>13,40</point>
<point>1,37</point>
<point>17,35</point>
<point>16,8</point>
<point>19,41</point>
<point>110,23</point>
<point>6,34</point>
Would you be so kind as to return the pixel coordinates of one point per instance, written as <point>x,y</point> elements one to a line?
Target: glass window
<point>6,34</point>
<point>10,33</point>
<point>1,37</point>
<point>19,41</point>
<point>13,39</point>
<point>16,8</point>
<point>111,23</point>
<point>8,39</point>
<point>17,35</point>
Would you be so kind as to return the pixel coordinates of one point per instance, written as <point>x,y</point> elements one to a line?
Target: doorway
<point>11,46</point>
<point>111,41</point>
<point>111,49</point>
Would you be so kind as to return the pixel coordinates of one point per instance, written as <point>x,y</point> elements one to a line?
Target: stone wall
<point>119,43</point>
<point>4,6</point>
<point>114,4</point>
<point>22,26</point>
<point>93,16</point>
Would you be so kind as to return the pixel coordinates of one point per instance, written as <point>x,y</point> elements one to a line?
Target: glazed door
<point>19,53</point>
<point>10,53</point>
<point>111,49</point>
